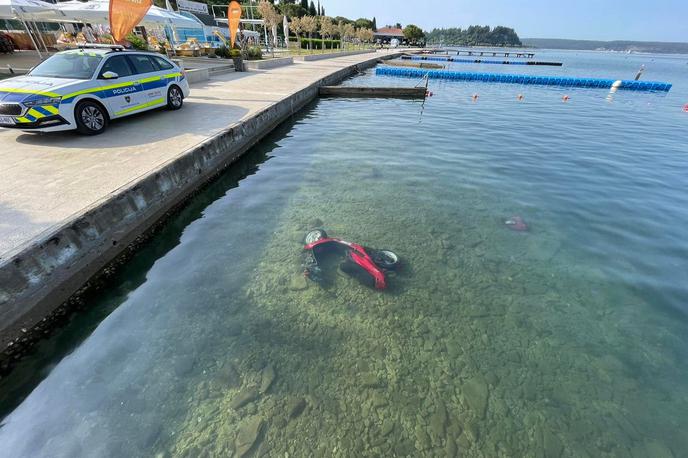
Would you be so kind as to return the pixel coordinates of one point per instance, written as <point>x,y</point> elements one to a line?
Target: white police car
<point>84,88</point>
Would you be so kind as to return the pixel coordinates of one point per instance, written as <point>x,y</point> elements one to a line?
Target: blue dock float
<point>524,79</point>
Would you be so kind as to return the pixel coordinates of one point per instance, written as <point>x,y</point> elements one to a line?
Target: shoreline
<point>44,277</point>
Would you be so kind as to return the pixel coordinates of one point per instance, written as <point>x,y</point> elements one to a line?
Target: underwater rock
<point>267,377</point>
<point>228,375</point>
<point>404,448</point>
<point>476,392</point>
<point>369,380</point>
<point>315,223</point>
<point>450,450</point>
<point>654,449</point>
<point>437,425</point>
<point>378,400</point>
<point>295,407</point>
<point>244,396</point>
<point>298,283</point>
<point>248,434</point>
<point>552,444</point>
<point>233,329</point>
<point>387,427</point>
<point>183,365</point>
<point>422,438</point>
<point>471,432</point>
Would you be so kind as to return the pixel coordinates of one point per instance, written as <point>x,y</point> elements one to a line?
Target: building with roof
<point>387,34</point>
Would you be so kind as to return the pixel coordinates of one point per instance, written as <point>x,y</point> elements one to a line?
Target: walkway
<point>47,179</point>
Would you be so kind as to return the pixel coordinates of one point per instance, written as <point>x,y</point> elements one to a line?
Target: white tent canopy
<point>26,11</point>
<point>34,10</point>
<point>97,12</point>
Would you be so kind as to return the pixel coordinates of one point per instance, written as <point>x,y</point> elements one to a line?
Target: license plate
<point>6,120</point>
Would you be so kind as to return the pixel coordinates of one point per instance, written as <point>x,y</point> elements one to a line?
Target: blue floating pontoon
<point>524,79</point>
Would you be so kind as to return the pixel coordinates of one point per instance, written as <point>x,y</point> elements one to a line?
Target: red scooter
<point>367,265</point>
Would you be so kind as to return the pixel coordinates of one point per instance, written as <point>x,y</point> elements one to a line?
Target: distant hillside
<point>474,35</point>
<point>638,46</point>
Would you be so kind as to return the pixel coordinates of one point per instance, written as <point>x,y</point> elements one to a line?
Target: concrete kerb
<point>44,274</point>
<point>332,55</point>
<point>267,63</point>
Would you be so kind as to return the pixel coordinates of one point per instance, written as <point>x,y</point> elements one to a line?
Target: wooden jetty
<point>373,92</point>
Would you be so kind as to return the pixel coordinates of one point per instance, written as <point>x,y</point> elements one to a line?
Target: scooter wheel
<point>314,236</point>
<point>386,259</point>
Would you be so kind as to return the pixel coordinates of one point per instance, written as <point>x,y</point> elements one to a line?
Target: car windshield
<point>78,65</point>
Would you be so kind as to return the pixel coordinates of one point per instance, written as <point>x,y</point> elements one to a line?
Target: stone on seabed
<point>248,434</point>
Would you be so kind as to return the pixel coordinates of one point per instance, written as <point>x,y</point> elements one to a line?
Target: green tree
<point>476,35</point>
<point>374,27</point>
<point>292,10</point>
<point>304,4</point>
<point>363,23</point>
<point>414,34</point>
<point>311,9</point>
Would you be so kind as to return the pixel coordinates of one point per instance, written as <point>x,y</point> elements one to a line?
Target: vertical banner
<point>125,15</point>
<point>233,15</point>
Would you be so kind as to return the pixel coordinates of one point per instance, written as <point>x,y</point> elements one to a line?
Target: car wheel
<point>175,98</point>
<point>91,118</point>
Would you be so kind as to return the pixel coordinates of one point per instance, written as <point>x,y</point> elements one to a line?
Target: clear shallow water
<point>567,340</point>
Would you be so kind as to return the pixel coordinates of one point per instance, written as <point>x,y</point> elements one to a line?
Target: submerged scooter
<point>369,266</point>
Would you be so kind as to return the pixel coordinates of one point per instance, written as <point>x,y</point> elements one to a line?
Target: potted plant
<point>238,58</point>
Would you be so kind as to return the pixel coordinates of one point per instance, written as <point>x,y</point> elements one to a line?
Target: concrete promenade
<point>69,204</point>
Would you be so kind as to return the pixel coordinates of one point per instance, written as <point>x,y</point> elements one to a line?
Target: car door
<point>119,93</point>
<point>150,77</point>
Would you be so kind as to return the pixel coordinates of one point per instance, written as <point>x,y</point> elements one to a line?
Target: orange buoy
<point>685,107</point>
<point>566,98</point>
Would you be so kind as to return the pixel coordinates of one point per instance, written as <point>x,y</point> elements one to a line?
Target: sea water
<point>569,339</point>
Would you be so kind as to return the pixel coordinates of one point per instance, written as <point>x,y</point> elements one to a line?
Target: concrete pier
<point>70,204</point>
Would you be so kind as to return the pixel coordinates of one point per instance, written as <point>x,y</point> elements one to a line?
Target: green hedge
<point>317,43</point>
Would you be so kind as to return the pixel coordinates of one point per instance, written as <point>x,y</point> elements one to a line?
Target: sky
<point>640,20</point>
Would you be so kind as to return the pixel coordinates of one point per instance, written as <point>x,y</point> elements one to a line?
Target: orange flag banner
<point>234,15</point>
<point>125,15</point>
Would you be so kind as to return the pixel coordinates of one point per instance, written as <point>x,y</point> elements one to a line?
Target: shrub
<point>317,43</point>
<point>254,53</point>
<point>223,51</point>
<point>137,42</point>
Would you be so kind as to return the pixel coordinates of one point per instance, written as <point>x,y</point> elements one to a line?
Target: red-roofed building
<point>386,34</point>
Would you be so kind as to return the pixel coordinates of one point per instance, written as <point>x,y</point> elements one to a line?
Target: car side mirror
<point>109,76</point>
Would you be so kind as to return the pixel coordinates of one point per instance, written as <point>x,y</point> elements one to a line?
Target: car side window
<point>162,63</point>
<point>117,64</point>
<point>142,64</point>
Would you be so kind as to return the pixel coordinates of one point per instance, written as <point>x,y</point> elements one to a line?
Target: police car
<point>85,88</point>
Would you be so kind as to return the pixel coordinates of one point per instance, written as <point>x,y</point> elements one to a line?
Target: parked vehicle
<point>85,88</point>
